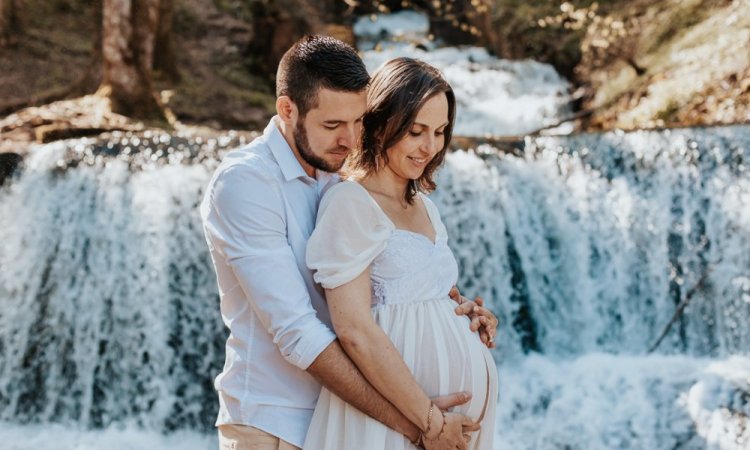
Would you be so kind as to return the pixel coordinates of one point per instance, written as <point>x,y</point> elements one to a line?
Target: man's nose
<point>348,137</point>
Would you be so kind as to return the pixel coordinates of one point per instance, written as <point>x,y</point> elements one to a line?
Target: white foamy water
<point>109,302</point>
<point>400,27</point>
<point>494,96</point>
<point>597,401</point>
<point>58,437</point>
<point>601,401</point>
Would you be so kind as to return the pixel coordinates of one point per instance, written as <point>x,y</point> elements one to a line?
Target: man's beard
<point>303,147</point>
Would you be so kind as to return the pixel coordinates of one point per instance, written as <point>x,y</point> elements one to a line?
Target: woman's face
<point>426,137</point>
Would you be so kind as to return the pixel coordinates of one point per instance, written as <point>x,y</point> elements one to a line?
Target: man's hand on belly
<point>482,319</point>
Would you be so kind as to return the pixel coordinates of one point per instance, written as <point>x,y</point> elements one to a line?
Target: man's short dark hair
<point>316,62</point>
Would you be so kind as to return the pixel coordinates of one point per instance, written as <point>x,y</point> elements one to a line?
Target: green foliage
<point>239,9</point>
<point>669,113</point>
<point>69,6</point>
<point>259,99</point>
<point>252,90</point>
<point>185,22</point>
<point>683,15</point>
<point>548,31</point>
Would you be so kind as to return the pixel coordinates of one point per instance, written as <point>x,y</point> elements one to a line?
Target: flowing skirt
<point>444,356</point>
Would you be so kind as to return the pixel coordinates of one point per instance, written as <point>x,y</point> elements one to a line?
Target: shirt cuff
<point>310,346</point>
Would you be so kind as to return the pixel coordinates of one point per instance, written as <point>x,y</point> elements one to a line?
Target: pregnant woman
<point>380,251</point>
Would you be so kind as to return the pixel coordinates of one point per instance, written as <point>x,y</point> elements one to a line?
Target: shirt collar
<point>290,167</point>
<point>325,177</point>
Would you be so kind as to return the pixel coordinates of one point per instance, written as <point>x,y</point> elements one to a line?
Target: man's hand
<point>482,319</point>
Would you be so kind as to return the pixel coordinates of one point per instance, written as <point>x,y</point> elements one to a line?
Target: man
<point>258,212</point>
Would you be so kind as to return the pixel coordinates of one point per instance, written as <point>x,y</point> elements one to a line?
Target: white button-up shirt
<point>258,213</point>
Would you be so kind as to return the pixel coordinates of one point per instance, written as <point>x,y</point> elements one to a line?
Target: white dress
<point>411,277</point>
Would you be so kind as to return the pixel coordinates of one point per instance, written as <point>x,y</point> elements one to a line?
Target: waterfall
<point>493,96</point>
<point>583,246</point>
<point>594,240</point>
<point>110,306</point>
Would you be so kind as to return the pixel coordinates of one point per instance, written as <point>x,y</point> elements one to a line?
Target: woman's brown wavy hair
<point>398,90</point>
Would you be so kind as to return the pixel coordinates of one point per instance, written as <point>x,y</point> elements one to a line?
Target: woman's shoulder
<point>347,189</point>
<point>350,198</point>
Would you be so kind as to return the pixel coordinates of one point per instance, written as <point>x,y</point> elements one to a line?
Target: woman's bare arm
<point>376,357</point>
<point>336,371</point>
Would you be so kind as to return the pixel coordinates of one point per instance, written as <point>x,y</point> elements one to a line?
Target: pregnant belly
<point>442,353</point>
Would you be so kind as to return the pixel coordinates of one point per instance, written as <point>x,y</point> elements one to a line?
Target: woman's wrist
<point>416,438</point>
<point>435,421</point>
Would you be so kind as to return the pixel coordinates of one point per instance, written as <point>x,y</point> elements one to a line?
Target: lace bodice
<point>411,269</point>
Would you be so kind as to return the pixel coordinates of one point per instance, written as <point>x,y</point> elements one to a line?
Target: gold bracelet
<point>429,419</point>
<point>442,428</point>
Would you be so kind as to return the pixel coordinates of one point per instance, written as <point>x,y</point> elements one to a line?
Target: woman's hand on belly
<point>446,402</point>
<point>455,425</point>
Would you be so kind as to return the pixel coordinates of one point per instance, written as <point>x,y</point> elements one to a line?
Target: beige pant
<point>241,437</point>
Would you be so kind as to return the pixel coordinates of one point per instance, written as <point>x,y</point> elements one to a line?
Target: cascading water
<point>532,94</point>
<point>598,238</point>
<point>109,301</point>
<point>584,246</point>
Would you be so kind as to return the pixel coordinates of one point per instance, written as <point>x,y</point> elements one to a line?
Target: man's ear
<point>286,109</point>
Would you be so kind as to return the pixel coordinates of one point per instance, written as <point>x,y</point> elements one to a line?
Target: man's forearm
<point>336,371</point>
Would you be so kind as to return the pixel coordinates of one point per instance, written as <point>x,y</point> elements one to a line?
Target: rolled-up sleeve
<point>245,221</point>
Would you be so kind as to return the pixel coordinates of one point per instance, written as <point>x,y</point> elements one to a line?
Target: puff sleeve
<point>351,231</point>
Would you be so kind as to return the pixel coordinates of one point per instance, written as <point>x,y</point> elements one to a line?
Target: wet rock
<point>8,164</point>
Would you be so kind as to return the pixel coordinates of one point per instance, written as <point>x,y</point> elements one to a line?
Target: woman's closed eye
<point>417,133</point>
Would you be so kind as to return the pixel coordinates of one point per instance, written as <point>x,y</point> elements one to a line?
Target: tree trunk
<point>129,30</point>
<point>6,9</point>
<point>165,60</point>
<point>277,24</point>
<point>10,23</point>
